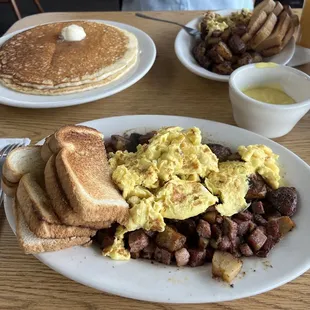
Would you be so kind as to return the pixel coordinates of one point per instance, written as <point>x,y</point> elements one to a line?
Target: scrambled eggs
<point>263,161</point>
<point>171,152</point>
<point>162,180</point>
<point>166,178</point>
<point>231,182</point>
<point>214,21</point>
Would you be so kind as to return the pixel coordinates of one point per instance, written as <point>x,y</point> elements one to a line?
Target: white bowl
<point>184,44</point>
<point>269,120</point>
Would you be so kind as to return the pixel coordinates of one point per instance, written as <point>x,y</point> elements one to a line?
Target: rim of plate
<point>200,71</point>
<point>289,276</point>
<point>129,79</point>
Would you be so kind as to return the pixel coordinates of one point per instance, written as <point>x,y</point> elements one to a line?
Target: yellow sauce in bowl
<point>269,95</point>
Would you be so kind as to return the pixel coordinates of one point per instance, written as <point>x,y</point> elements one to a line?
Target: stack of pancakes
<point>271,27</point>
<point>38,61</point>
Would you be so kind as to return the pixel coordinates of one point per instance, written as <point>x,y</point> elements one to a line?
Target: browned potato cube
<point>170,239</point>
<point>225,266</point>
<point>226,34</point>
<point>215,56</point>
<point>119,143</point>
<point>285,225</point>
<point>224,68</point>
<point>213,41</point>
<point>210,217</point>
<point>223,50</point>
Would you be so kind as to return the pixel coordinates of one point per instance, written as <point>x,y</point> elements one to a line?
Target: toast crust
<point>9,170</point>
<point>255,24</point>
<point>31,244</point>
<point>8,188</point>
<point>278,8</point>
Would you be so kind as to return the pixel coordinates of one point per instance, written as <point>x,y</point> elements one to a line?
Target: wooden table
<point>168,88</point>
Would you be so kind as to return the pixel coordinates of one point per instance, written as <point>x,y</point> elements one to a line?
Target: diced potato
<point>170,239</point>
<point>285,224</point>
<point>210,217</point>
<point>225,266</point>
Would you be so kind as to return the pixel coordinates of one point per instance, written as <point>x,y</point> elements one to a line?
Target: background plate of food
<point>73,62</point>
<point>281,210</point>
<point>233,38</point>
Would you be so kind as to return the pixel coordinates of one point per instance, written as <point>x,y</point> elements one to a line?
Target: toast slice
<point>255,24</point>
<point>292,30</point>
<point>258,19</point>
<point>278,34</point>
<point>295,22</point>
<point>39,215</point>
<point>278,8</point>
<point>60,203</point>
<point>272,51</point>
<point>21,161</point>
<point>31,244</point>
<point>84,175</point>
<point>8,188</point>
<point>265,31</point>
<point>73,137</point>
<point>266,5</point>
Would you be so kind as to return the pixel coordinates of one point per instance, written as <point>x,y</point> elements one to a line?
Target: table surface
<point>168,88</point>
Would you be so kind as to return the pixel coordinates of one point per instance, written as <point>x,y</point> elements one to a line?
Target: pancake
<point>68,90</point>
<point>38,59</point>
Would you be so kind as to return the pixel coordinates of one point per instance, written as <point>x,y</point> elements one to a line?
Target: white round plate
<point>146,58</point>
<point>184,44</point>
<point>142,280</point>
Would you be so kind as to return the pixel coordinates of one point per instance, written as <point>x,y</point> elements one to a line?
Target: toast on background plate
<point>271,28</point>
<point>278,34</point>
<point>264,32</point>
<point>258,19</point>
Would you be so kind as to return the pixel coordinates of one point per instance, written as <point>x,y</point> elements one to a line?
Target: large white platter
<point>154,282</point>
<point>146,58</point>
<point>184,44</point>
